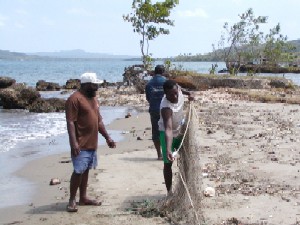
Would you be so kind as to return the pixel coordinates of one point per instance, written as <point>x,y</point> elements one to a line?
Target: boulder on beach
<point>75,84</point>
<point>6,82</point>
<point>43,105</point>
<point>18,96</point>
<point>42,85</point>
<point>72,84</point>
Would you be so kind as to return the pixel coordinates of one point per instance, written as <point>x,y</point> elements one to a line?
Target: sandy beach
<point>249,154</point>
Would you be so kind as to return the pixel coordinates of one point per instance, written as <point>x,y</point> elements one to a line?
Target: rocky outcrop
<point>42,85</point>
<point>18,96</point>
<point>72,84</point>
<point>203,83</point>
<point>134,75</point>
<point>6,82</point>
<point>42,105</point>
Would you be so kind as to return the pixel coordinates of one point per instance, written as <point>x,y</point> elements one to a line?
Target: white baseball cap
<point>90,78</point>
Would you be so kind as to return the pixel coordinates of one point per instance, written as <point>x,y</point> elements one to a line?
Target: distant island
<point>81,54</point>
<point>67,54</point>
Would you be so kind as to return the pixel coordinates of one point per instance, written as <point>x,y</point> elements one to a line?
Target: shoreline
<point>249,154</point>
<point>27,150</point>
<point>53,198</point>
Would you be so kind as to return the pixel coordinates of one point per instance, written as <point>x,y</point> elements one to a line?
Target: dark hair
<point>159,69</point>
<point>169,84</point>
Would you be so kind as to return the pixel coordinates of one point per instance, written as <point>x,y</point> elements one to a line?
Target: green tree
<point>245,43</point>
<point>149,21</point>
<point>276,49</point>
<point>239,42</point>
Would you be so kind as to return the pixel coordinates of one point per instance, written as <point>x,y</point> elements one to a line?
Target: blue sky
<point>98,26</point>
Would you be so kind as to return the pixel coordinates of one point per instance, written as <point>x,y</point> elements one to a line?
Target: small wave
<point>24,126</point>
<point>20,126</point>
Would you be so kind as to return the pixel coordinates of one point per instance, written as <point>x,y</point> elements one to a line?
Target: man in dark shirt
<point>154,94</point>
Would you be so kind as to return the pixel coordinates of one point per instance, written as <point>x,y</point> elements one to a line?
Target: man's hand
<point>170,156</point>
<point>190,94</point>
<point>75,150</point>
<point>110,143</point>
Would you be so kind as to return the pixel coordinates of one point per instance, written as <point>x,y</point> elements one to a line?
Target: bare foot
<point>72,207</point>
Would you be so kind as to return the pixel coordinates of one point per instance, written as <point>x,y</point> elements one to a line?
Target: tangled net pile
<point>184,206</point>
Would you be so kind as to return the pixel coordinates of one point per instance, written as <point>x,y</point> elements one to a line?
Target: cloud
<point>79,12</point>
<point>193,13</point>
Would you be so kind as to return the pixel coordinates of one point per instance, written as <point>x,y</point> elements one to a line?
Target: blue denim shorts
<point>87,159</point>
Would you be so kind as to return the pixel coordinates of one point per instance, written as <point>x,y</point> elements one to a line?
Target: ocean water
<point>20,129</point>
<point>59,71</point>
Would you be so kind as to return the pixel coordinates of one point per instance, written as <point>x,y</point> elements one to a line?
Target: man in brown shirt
<point>84,121</point>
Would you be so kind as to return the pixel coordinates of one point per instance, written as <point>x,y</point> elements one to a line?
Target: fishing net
<point>184,206</point>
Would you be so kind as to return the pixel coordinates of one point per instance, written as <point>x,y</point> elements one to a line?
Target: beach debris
<point>15,222</point>
<point>232,221</point>
<point>125,132</point>
<point>128,115</point>
<point>205,174</point>
<point>209,192</point>
<point>54,181</point>
<point>145,208</point>
<point>65,161</point>
<point>52,142</point>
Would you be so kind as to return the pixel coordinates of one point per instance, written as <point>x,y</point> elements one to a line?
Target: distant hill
<point>212,57</point>
<point>296,43</point>
<point>72,54</point>
<point>7,55</point>
<point>79,54</point>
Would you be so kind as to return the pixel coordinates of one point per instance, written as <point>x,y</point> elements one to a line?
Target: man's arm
<point>72,138</point>
<point>167,116</point>
<point>103,132</point>
<point>190,94</point>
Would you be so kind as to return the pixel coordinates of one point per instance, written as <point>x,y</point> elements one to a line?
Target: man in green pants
<point>171,120</point>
